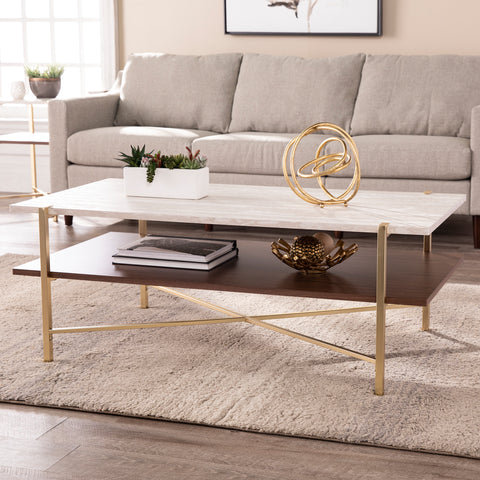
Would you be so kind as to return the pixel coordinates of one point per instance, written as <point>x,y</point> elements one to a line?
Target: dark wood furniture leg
<point>338,235</point>
<point>476,231</point>
<point>208,227</point>
<point>68,220</point>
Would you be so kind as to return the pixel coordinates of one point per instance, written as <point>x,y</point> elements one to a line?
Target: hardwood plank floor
<point>53,444</point>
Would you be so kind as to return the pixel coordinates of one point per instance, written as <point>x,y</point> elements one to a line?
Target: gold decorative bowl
<point>313,254</point>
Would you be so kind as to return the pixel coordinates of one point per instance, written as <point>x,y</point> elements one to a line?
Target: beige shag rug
<point>241,376</point>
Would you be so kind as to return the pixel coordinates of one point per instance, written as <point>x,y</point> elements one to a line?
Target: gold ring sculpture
<point>320,165</point>
<point>313,254</point>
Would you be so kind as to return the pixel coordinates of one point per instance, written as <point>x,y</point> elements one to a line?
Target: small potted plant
<point>166,176</point>
<point>45,83</point>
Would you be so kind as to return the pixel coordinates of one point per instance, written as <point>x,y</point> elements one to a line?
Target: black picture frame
<point>303,17</point>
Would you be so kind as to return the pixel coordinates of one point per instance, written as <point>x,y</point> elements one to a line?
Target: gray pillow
<point>288,94</point>
<point>183,91</point>
<point>418,95</point>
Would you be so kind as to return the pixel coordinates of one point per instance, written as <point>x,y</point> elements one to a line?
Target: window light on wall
<point>79,34</point>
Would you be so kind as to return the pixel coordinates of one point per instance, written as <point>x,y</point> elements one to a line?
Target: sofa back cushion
<point>417,95</point>
<point>184,91</point>
<point>288,94</point>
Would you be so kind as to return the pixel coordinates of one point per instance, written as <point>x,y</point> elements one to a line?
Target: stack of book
<point>176,252</point>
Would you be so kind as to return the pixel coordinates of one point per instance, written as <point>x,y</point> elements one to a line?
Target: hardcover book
<point>118,259</point>
<point>183,249</point>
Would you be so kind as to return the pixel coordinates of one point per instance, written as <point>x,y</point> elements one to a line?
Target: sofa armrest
<point>67,116</point>
<point>475,146</point>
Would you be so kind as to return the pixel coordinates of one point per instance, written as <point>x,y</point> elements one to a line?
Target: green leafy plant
<point>134,159</point>
<point>194,160</point>
<point>152,161</point>
<point>33,72</point>
<point>50,71</point>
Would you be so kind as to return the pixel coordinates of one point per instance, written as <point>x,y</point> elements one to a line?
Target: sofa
<point>415,119</point>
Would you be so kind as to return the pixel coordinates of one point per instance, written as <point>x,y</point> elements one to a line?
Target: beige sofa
<point>415,119</point>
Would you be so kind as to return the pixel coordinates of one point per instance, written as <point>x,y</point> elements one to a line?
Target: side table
<point>31,138</point>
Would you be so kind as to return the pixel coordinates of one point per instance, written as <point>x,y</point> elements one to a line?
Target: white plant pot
<point>175,183</point>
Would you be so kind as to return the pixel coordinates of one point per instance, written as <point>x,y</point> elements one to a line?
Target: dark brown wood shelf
<point>413,278</point>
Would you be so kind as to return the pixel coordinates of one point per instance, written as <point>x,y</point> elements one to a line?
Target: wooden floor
<point>41,443</point>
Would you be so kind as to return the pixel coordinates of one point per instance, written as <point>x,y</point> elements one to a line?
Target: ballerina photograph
<point>303,17</point>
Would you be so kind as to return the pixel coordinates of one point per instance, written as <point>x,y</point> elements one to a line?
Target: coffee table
<point>412,278</point>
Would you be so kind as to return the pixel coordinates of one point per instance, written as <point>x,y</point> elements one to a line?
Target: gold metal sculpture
<point>321,165</point>
<point>313,254</point>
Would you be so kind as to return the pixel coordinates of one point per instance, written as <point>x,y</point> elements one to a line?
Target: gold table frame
<point>28,138</point>
<point>380,307</point>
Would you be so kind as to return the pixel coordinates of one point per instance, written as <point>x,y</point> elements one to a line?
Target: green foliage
<point>191,164</point>
<point>50,71</point>
<point>53,71</point>
<point>183,161</point>
<point>33,72</point>
<point>138,158</point>
<point>151,168</point>
<point>171,161</point>
<point>135,158</point>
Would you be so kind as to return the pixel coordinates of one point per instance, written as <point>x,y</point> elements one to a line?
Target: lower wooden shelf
<point>413,278</point>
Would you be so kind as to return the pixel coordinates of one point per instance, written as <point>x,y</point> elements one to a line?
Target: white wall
<point>197,27</point>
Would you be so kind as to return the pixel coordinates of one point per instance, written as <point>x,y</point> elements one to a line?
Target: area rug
<point>241,376</point>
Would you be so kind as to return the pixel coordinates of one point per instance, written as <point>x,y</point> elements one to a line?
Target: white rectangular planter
<point>175,183</point>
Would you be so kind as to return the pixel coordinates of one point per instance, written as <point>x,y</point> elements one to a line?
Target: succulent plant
<point>152,161</point>
<point>171,161</point>
<point>135,158</point>
<point>193,164</point>
<point>151,168</point>
<point>195,160</point>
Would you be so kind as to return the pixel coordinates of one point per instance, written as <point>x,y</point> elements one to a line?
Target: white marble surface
<point>29,100</point>
<point>247,205</point>
<point>28,138</point>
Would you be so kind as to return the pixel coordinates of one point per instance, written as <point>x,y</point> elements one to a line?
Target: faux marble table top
<point>257,206</point>
<point>24,101</point>
<point>28,138</point>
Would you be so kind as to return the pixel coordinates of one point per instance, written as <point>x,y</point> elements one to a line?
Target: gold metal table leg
<point>142,227</point>
<point>381,308</point>
<point>45,284</point>
<point>143,296</point>
<point>427,248</point>
<point>427,243</point>
<point>33,157</point>
<point>142,231</point>
<point>426,318</point>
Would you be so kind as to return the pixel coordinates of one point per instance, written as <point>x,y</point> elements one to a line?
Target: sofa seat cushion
<point>417,95</point>
<point>254,152</point>
<point>180,91</point>
<point>412,156</point>
<point>101,146</point>
<point>288,94</point>
<point>81,174</point>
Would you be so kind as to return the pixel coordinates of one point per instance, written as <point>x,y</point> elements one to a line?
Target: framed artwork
<point>303,17</point>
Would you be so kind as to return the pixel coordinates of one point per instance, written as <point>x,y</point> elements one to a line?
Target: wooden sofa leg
<point>338,235</point>
<point>476,231</point>
<point>68,220</point>
<point>208,227</point>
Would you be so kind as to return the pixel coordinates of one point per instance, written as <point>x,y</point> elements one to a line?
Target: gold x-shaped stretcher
<point>231,316</point>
